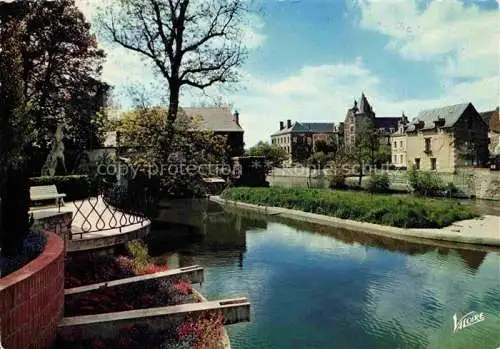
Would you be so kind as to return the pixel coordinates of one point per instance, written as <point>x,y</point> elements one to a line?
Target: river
<point>316,287</point>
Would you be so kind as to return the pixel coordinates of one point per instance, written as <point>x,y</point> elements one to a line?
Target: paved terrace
<point>96,225</point>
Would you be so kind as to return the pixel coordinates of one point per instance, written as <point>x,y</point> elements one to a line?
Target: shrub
<point>33,245</point>
<point>140,256</point>
<point>404,212</point>
<point>337,181</point>
<point>379,183</point>
<point>76,187</point>
<point>430,184</point>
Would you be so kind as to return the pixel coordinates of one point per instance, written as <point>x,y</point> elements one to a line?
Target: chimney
<point>288,123</point>
<point>236,118</point>
<point>282,126</point>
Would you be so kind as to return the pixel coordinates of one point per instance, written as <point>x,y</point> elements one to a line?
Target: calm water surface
<point>313,287</point>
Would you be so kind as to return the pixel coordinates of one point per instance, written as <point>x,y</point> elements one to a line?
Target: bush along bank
<point>402,212</point>
<point>200,331</point>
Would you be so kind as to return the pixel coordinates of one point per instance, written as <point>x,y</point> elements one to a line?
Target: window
<point>427,145</point>
<point>353,140</point>
<point>401,144</point>
<point>395,159</point>
<point>433,164</point>
<point>470,122</point>
<point>352,129</point>
<point>395,144</point>
<point>417,163</point>
<point>391,130</point>
<point>401,159</point>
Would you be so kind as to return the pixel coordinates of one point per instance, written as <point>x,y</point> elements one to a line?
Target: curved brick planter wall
<point>32,299</point>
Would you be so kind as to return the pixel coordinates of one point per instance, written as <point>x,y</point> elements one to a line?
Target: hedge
<point>76,187</point>
<point>397,211</point>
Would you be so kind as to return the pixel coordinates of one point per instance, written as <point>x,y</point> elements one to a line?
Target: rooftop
<point>450,114</point>
<point>313,127</point>
<point>215,119</point>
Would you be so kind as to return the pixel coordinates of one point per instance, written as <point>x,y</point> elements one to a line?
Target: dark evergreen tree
<point>14,134</point>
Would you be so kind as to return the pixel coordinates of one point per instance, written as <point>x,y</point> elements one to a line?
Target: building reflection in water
<point>214,236</point>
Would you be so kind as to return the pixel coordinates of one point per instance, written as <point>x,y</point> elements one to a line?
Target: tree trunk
<point>173,106</point>
<point>360,174</point>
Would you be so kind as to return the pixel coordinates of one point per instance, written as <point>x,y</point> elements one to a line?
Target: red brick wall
<point>32,299</point>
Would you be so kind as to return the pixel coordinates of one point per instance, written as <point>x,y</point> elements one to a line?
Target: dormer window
<point>391,130</point>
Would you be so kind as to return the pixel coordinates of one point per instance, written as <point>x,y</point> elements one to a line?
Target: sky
<point>309,59</point>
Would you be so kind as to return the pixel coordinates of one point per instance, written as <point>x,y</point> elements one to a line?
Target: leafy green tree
<point>301,150</point>
<point>192,155</point>
<point>365,149</point>
<point>14,132</point>
<point>61,67</point>
<point>325,147</point>
<point>274,154</point>
<point>320,160</point>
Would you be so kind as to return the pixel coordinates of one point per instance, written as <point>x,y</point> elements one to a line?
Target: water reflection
<point>316,287</point>
<point>214,237</point>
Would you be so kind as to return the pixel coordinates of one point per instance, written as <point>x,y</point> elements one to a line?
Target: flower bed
<point>157,293</point>
<point>200,332</point>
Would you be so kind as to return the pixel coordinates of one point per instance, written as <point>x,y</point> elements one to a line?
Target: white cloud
<point>253,36</point>
<point>324,93</point>
<point>461,37</point>
<point>393,303</point>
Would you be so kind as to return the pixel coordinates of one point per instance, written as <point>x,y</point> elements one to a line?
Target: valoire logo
<point>467,320</point>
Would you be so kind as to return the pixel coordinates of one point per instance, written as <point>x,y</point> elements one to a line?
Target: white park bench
<point>47,192</point>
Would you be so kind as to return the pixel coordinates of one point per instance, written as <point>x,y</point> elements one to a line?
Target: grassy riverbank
<point>388,210</point>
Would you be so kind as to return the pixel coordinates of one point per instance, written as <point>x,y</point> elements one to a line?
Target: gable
<point>478,122</point>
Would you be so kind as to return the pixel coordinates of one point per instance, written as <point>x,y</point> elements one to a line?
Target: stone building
<point>398,144</point>
<point>443,139</point>
<point>492,118</point>
<point>221,122</point>
<point>361,117</point>
<point>298,139</point>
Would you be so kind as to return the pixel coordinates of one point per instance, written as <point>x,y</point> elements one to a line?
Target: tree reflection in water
<point>219,236</point>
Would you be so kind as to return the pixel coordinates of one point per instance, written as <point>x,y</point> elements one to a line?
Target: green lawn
<point>404,212</point>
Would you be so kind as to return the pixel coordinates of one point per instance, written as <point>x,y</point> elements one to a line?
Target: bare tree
<point>195,43</point>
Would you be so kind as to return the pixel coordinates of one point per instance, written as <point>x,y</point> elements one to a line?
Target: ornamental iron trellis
<point>114,207</point>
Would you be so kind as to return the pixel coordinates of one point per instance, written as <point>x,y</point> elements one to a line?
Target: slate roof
<point>450,114</point>
<point>314,127</point>
<point>215,119</point>
<point>364,106</point>
<point>387,123</point>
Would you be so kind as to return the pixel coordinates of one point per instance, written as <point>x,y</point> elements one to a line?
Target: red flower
<point>183,287</point>
<point>154,268</point>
